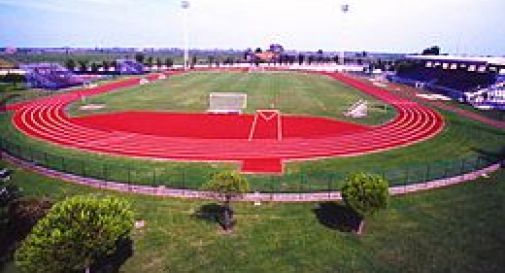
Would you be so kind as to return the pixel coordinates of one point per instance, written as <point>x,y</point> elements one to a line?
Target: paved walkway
<point>265,197</point>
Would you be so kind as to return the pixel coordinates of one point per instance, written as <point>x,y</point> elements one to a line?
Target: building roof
<point>450,58</point>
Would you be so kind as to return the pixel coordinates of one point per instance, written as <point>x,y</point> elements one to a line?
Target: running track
<point>46,119</point>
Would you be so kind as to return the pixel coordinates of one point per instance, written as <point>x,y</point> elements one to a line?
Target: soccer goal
<point>227,102</point>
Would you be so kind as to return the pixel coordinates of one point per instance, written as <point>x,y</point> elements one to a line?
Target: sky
<point>461,27</point>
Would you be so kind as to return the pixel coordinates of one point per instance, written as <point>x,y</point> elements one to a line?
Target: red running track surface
<point>215,126</point>
<point>203,137</point>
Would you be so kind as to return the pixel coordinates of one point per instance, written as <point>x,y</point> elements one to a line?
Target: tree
<point>70,64</point>
<point>169,62</point>
<point>75,234</point>
<point>434,50</point>
<point>83,65</point>
<point>311,59</point>
<point>319,55</point>
<point>301,59</point>
<point>150,61</point>
<point>210,60</point>
<point>14,78</point>
<point>336,59</point>
<point>158,62</point>
<point>227,185</point>
<point>105,66</point>
<point>9,192</point>
<point>94,67</point>
<point>193,62</point>
<point>247,54</point>
<point>365,194</point>
<point>139,57</point>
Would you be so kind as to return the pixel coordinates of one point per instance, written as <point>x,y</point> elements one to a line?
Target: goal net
<point>226,102</point>
<point>267,124</point>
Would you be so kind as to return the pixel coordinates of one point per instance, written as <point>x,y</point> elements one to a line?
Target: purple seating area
<point>129,67</point>
<point>50,76</point>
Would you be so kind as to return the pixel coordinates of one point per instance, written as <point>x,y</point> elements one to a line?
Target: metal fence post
<point>427,175</point>
<point>329,184</point>
<point>62,163</point>
<point>30,150</point>
<point>183,179</point>
<point>476,163</point>
<point>462,168</point>
<point>129,178</point>
<point>154,177</point>
<point>83,168</point>
<point>19,151</point>
<point>45,160</point>
<point>104,171</point>
<point>406,176</point>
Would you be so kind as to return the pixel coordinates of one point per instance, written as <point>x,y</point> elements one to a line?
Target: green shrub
<point>365,193</point>
<point>227,185</point>
<point>75,234</point>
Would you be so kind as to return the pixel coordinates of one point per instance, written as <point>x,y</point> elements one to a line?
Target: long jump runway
<point>211,137</point>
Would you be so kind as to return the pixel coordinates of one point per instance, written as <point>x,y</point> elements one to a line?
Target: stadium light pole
<point>185,7</point>
<point>345,9</point>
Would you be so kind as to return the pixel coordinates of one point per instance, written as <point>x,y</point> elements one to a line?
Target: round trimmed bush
<point>365,193</point>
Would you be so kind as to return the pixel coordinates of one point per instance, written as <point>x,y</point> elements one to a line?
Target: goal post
<point>227,102</point>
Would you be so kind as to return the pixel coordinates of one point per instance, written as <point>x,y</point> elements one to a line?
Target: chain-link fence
<point>186,178</point>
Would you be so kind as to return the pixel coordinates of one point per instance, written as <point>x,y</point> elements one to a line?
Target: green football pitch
<point>290,92</point>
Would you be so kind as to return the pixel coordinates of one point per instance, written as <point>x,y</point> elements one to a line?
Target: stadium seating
<point>129,67</point>
<point>449,82</point>
<point>50,76</point>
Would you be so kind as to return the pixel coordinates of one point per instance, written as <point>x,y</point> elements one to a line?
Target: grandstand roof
<point>487,60</point>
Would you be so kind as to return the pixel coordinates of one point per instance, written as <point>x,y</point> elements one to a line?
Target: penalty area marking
<point>267,115</point>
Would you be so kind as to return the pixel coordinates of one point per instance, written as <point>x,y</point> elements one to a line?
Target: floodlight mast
<point>185,7</point>
<point>345,9</point>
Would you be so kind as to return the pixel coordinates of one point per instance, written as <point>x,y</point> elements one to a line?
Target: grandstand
<point>489,98</point>
<point>452,76</point>
<point>50,76</point>
<point>129,67</point>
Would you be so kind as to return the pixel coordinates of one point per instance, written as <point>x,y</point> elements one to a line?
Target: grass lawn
<point>292,93</point>
<point>459,229</point>
<point>14,93</point>
<point>492,114</point>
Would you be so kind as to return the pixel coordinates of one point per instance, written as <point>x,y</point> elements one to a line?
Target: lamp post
<point>345,9</point>
<point>185,7</point>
